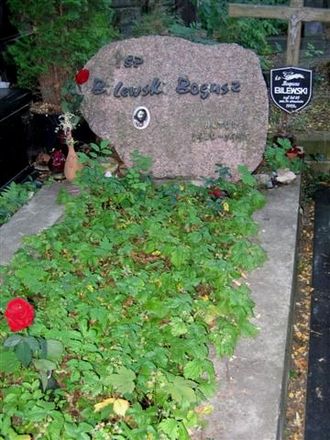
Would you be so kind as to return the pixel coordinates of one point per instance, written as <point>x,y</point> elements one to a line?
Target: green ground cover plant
<point>131,289</point>
<point>276,155</point>
<point>14,197</point>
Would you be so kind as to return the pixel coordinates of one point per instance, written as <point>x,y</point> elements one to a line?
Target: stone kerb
<point>39,213</point>
<point>203,105</point>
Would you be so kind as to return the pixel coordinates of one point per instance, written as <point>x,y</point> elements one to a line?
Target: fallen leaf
<point>99,406</point>
<point>120,406</point>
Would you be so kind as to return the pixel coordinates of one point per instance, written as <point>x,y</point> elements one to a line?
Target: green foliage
<point>43,353</point>
<point>156,21</point>
<point>57,38</point>
<point>14,197</point>
<point>313,181</point>
<point>213,25</point>
<point>312,51</point>
<point>96,151</point>
<point>193,33</point>
<point>275,156</point>
<point>70,98</point>
<point>249,32</point>
<point>135,283</point>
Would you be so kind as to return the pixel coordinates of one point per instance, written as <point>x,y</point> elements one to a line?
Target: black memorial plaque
<point>291,88</point>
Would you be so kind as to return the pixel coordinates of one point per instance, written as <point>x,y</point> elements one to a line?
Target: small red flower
<point>82,76</point>
<point>217,193</point>
<point>19,314</point>
<point>57,161</point>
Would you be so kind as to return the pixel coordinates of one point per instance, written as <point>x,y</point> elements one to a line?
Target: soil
<point>296,395</point>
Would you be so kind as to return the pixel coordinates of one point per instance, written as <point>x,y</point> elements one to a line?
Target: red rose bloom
<point>82,76</point>
<point>19,314</point>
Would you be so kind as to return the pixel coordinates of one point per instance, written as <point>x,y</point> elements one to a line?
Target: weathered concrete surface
<point>41,212</point>
<point>248,403</point>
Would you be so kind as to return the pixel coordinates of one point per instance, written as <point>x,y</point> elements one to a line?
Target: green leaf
<point>183,433</point>
<point>178,257</point>
<point>43,348</point>
<point>54,349</point>
<point>21,437</point>
<point>170,428</point>
<point>178,327</point>
<point>156,307</point>
<point>123,381</point>
<point>44,380</point>
<point>8,361</point>
<point>248,329</point>
<point>12,340</point>
<point>33,343</point>
<point>181,391</point>
<point>23,353</point>
<point>38,413</point>
<point>44,364</point>
<point>193,369</point>
<point>94,146</point>
<point>246,176</point>
<point>208,388</point>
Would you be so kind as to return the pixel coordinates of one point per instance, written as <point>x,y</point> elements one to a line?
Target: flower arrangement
<point>67,123</point>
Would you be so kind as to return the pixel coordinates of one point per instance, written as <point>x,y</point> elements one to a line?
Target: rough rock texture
<point>187,135</point>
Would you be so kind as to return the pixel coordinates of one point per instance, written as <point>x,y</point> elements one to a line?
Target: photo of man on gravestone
<point>141,118</point>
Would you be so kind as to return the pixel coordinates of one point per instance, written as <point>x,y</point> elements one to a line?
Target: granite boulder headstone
<point>188,106</point>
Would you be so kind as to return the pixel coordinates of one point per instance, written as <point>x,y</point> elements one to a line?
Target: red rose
<point>82,76</point>
<point>19,314</point>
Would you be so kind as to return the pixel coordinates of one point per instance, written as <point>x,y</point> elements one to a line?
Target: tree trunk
<point>51,84</point>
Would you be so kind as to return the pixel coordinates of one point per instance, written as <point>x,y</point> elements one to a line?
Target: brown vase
<point>291,155</point>
<point>72,164</point>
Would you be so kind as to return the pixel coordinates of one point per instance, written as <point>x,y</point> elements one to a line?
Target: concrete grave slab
<point>248,404</point>
<point>39,213</point>
<point>249,401</point>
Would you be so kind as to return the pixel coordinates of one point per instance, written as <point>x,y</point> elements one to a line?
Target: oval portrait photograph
<point>141,118</point>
